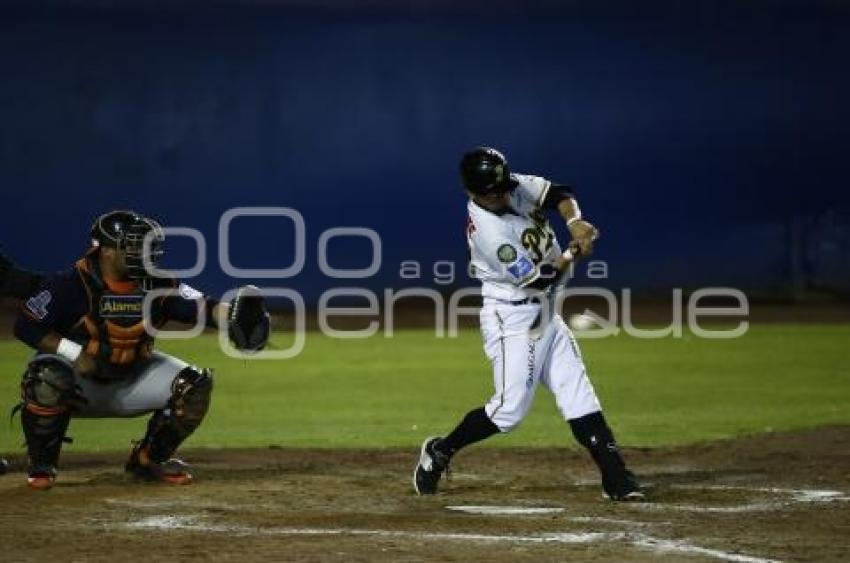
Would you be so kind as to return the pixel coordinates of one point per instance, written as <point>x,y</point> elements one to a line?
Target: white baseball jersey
<point>507,249</point>
<point>525,345</point>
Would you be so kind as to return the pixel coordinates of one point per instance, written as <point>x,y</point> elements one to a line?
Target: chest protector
<point>114,326</point>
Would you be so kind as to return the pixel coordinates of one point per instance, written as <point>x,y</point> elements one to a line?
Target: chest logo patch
<point>121,306</point>
<point>521,268</point>
<point>506,254</point>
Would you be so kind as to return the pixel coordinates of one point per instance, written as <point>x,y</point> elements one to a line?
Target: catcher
<point>95,358</point>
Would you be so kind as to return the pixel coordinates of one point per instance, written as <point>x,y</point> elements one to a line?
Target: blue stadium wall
<point>708,140</point>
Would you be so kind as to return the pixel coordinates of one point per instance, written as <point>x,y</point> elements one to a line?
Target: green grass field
<point>393,392</point>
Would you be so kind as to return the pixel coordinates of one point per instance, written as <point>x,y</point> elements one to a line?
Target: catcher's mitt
<point>248,320</point>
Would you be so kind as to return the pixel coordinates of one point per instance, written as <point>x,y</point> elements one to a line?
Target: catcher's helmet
<point>484,170</point>
<point>126,230</point>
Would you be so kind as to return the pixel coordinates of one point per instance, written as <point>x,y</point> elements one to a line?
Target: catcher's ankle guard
<point>190,400</point>
<point>48,395</point>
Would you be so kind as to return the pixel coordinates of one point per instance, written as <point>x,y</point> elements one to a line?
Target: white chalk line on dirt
<point>749,507</point>
<point>505,510</point>
<point>790,496</point>
<point>616,521</point>
<point>640,540</point>
<point>678,546</point>
<point>487,510</point>
<point>169,503</point>
<point>797,495</point>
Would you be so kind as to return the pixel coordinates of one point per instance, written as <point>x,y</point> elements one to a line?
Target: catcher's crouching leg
<point>190,399</point>
<point>48,394</point>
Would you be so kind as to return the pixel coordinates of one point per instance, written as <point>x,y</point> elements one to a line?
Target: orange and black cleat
<point>41,478</point>
<point>172,471</point>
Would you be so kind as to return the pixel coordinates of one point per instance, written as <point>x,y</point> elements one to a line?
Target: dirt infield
<point>783,496</point>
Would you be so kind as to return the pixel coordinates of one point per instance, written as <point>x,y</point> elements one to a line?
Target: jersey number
<point>537,240</point>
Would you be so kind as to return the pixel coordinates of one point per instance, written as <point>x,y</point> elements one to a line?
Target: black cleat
<point>624,489</point>
<point>631,496</point>
<point>430,468</point>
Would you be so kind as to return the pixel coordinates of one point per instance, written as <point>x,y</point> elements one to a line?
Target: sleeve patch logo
<point>37,305</point>
<point>188,292</point>
<point>521,268</point>
<point>506,254</point>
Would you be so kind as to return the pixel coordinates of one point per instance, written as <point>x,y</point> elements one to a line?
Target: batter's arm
<point>550,273</point>
<point>562,198</point>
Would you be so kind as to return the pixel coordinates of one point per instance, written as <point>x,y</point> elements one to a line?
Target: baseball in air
<point>581,322</point>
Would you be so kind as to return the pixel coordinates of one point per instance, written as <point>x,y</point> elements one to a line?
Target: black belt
<point>525,301</point>
<point>518,302</point>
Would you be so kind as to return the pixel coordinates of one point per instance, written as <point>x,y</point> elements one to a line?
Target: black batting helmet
<point>484,170</point>
<point>126,230</point>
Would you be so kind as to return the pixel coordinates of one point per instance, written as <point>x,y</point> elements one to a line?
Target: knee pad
<point>48,387</point>
<point>191,392</point>
<point>189,402</point>
<point>48,395</point>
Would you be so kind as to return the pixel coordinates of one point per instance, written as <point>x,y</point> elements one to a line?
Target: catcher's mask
<point>127,231</point>
<point>485,171</point>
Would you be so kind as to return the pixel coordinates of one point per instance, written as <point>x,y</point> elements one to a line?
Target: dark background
<point>708,140</point>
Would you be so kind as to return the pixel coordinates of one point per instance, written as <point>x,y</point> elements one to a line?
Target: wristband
<point>577,216</point>
<point>69,349</point>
